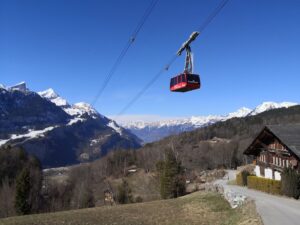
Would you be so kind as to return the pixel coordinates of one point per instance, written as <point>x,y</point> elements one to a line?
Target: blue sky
<point>249,54</point>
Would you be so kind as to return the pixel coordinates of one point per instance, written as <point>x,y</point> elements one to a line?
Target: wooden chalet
<point>275,147</point>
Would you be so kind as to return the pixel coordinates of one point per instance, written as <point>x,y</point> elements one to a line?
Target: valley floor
<point>198,208</point>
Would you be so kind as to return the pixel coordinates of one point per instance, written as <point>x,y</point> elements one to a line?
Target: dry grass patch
<point>197,208</point>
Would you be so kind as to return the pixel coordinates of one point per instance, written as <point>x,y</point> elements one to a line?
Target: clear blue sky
<point>249,54</point>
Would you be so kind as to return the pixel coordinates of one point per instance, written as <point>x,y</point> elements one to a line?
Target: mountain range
<point>154,131</point>
<point>57,132</point>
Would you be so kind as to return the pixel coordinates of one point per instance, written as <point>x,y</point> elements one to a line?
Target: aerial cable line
<point>201,28</point>
<point>141,92</point>
<point>125,50</point>
<point>210,18</point>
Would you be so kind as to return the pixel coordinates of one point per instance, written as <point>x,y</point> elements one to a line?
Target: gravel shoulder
<point>274,210</point>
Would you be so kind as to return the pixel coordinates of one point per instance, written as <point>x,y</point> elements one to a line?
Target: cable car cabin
<point>185,82</point>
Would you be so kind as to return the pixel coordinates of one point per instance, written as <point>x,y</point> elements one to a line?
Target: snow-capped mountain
<point>53,97</point>
<point>266,106</point>
<point>57,132</point>
<point>153,131</point>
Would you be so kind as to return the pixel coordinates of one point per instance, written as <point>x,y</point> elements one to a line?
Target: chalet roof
<point>288,134</point>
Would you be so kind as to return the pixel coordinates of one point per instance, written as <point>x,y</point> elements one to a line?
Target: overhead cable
<point>125,50</point>
<point>201,28</point>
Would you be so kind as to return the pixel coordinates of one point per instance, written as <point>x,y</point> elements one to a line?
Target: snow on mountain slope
<point>77,110</point>
<point>29,135</point>
<point>19,87</point>
<point>196,121</point>
<point>57,132</point>
<point>242,112</point>
<point>53,97</point>
<point>265,106</point>
<point>115,127</point>
<point>152,131</point>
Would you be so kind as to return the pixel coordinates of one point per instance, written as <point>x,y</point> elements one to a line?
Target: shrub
<point>241,178</point>
<point>265,185</point>
<point>138,199</point>
<point>245,174</point>
<point>290,183</point>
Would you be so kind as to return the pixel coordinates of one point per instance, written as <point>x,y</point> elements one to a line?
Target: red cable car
<point>187,81</point>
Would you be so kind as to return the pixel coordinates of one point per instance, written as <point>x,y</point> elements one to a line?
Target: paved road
<point>274,210</point>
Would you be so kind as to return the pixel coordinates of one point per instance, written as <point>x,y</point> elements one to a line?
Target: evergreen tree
<point>172,180</point>
<point>124,193</point>
<point>22,203</point>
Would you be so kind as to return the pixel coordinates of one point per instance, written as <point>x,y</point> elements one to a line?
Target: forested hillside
<point>218,145</point>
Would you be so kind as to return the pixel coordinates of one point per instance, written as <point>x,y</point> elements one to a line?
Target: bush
<point>241,178</point>
<point>245,174</point>
<point>265,185</point>
<point>290,183</point>
<point>138,199</point>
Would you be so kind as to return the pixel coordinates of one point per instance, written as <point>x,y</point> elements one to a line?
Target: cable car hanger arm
<point>186,44</point>
<point>188,68</point>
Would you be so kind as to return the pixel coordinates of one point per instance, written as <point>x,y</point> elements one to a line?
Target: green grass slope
<point>198,208</point>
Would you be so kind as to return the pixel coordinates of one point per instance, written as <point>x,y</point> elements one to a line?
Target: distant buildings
<point>276,147</point>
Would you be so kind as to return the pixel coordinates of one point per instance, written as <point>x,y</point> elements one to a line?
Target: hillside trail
<point>274,210</point>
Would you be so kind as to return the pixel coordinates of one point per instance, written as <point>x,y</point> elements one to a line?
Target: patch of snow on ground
<point>94,141</point>
<point>75,120</point>
<point>81,108</point>
<point>31,134</point>
<point>113,125</point>
<point>2,142</point>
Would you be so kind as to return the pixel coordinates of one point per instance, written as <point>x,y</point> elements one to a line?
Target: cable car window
<point>179,79</point>
<point>183,78</point>
<point>193,78</point>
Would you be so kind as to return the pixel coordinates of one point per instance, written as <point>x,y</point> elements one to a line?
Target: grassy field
<point>198,208</point>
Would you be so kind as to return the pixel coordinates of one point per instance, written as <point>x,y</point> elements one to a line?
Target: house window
<point>279,161</point>
<point>273,160</point>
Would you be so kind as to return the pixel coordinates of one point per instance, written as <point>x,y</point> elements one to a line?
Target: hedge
<point>265,185</point>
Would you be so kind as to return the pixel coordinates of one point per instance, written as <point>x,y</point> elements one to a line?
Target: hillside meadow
<point>198,208</point>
